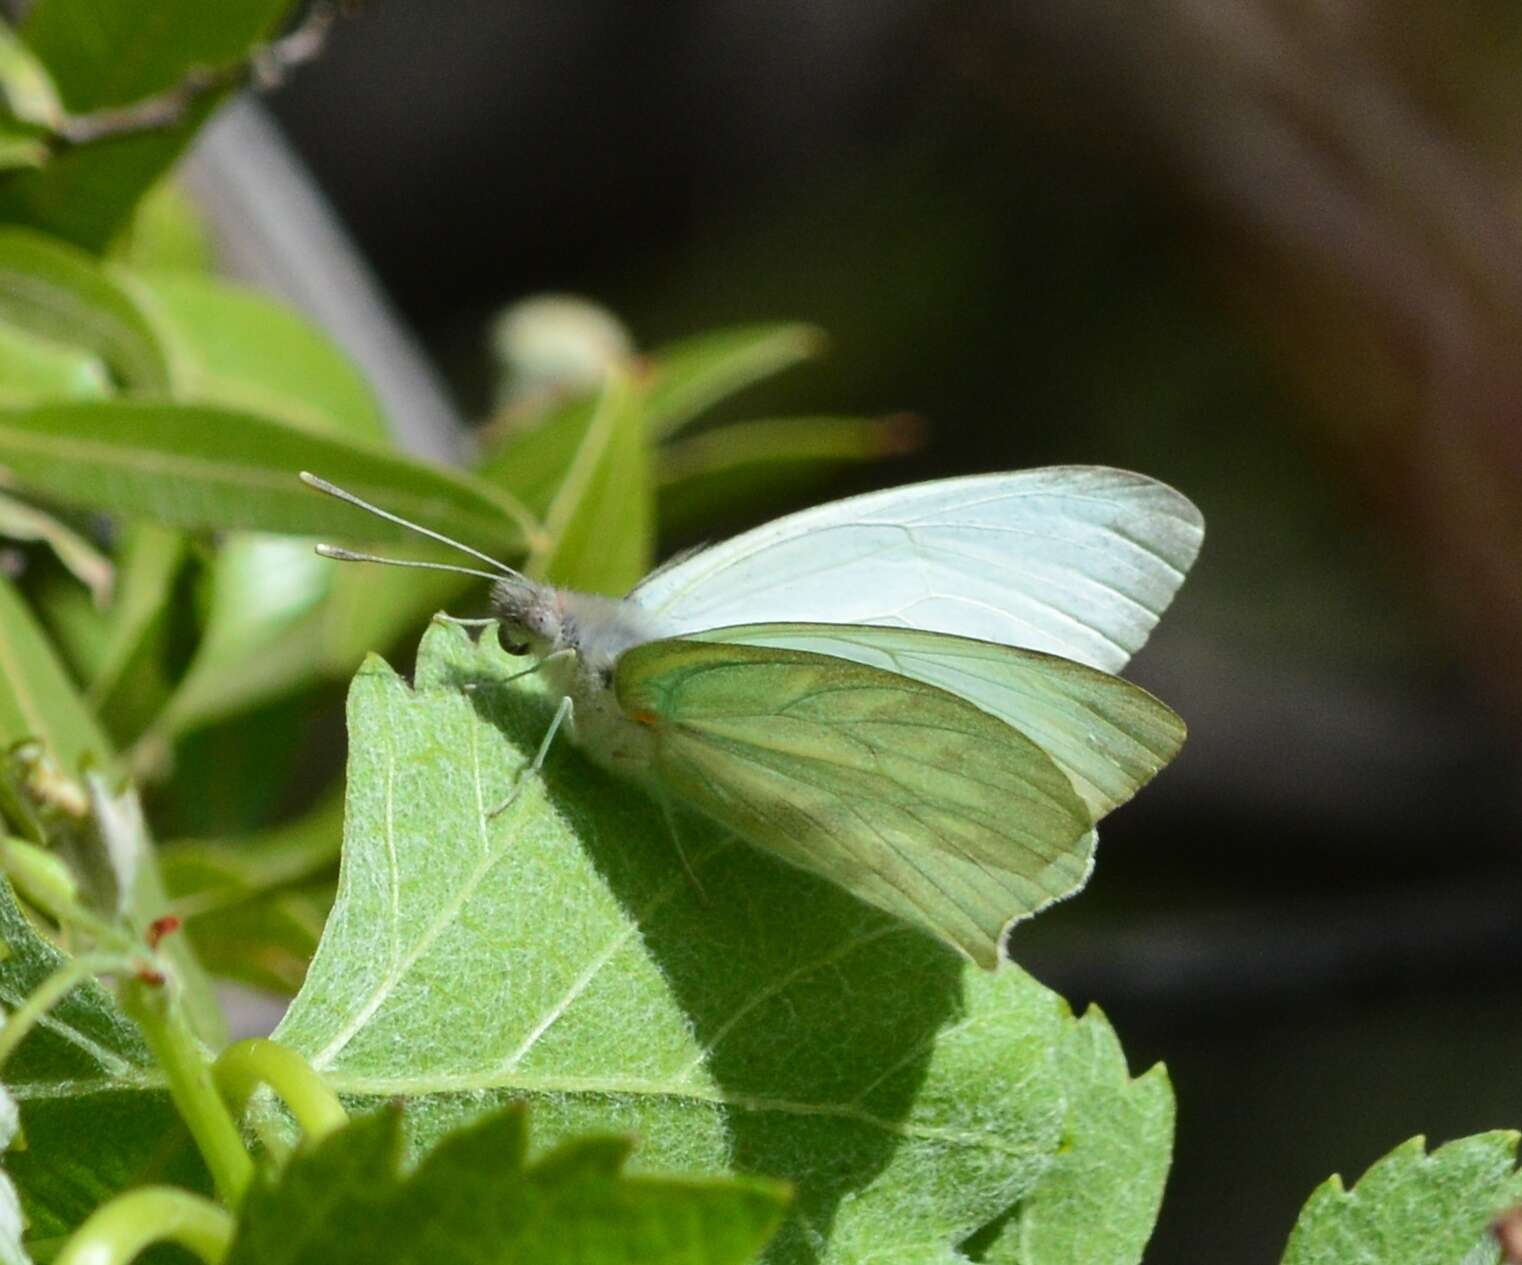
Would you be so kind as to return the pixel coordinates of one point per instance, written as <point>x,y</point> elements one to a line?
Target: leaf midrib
<point>347,1083</point>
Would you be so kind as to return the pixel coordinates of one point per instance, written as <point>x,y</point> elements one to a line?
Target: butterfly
<point>909,692</point>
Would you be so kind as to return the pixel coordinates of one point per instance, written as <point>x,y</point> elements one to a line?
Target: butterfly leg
<point>441,617</point>
<point>676,839</point>
<point>561,714</point>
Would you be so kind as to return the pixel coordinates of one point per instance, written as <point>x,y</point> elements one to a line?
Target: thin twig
<point>266,67</point>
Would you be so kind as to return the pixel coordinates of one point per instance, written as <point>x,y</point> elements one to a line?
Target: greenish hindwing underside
<point>907,796</point>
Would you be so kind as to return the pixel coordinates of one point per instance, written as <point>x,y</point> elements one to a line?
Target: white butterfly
<point>907,692</point>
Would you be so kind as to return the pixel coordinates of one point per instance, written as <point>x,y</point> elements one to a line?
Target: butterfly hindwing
<point>907,796</point>
<point>1110,737</point>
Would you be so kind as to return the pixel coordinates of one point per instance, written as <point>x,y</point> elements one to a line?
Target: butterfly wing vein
<point>907,796</point>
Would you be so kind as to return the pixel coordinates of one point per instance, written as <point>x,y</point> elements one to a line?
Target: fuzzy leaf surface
<point>473,1198</point>
<point>1412,1207</point>
<point>1099,1200</point>
<point>556,954</point>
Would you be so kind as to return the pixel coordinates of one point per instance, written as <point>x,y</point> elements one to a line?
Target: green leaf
<point>556,953</point>
<point>131,682</point>
<point>532,464</point>
<point>37,698</point>
<point>1098,1202</point>
<point>266,941</point>
<point>259,641</point>
<point>69,614</point>
<point>86,563</point>
<point>601,521</point>
<point>1411,1208</point>
<point>473,1198</point>
<point>254,906</point>
<point>202,467</point>
<point>56,292</point>
<point>20,147</point>
<point>105,53</point>
<point>692,375</point>
<point>233,347</point>
<point>733,472</point>
<point>33,368</point>
<point>92,1110</point>
<point>25,83</point>
<point>165,231</point>
<point>376,608</point>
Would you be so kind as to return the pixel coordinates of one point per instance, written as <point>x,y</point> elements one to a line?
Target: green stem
<point>191,1086</point>
<point>246,1065</point>
<point>116,1232</point>
<point>50,992</point>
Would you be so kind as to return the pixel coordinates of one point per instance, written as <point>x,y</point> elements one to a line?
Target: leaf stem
<point>50,992</point>
<point>117,1231</point>
<point>245,1065</point>
<point>191,1085</point>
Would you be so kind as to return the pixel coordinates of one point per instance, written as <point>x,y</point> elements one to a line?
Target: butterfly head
<point>531,616</point>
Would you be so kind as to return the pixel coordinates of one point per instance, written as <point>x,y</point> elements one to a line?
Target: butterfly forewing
<point>1110,737</point>
<point>907,796</point>
<point>1077,561</point>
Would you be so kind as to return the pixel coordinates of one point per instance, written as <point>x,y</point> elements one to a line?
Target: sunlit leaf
<point>557,954</point>
<point>1411,1207</point>
<point>1099,1200</point>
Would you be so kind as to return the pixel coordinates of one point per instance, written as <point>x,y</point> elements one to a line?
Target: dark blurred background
<point>1267,250</point>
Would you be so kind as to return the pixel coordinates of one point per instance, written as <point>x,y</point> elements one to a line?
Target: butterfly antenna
<point>348,555</point>
<point>332,489</point>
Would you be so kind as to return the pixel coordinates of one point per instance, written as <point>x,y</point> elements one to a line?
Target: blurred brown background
<point>1265,249</point>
